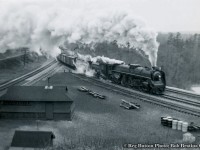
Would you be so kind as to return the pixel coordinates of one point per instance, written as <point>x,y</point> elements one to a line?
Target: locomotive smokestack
<point>156,68</point>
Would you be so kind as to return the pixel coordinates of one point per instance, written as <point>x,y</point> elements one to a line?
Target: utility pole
<point>48,81</point>
<point>25,52</point>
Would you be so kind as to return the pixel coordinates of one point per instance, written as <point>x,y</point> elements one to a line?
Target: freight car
<point>67,60</point>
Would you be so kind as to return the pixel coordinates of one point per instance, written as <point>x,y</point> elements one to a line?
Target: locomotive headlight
<point>156,76</point>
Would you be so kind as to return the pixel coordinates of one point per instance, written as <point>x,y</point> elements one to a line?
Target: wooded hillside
<point>178,55</point>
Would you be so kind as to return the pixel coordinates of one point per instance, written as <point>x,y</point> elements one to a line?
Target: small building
<point>31,140</point>
<point>36,102</point>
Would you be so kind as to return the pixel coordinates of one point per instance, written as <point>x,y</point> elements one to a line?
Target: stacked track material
<point>129,105</point>
<point>95,94</point>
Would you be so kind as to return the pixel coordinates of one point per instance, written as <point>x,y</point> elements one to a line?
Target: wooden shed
<point>36,102</point>
<point>32,140</point>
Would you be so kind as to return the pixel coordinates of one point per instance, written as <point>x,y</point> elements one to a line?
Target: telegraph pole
<point>48,80</point>
<point>25,52</point>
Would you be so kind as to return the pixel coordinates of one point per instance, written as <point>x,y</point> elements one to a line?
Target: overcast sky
<point>161,15</point>
<point>169,15</point>
<point>164,15</point>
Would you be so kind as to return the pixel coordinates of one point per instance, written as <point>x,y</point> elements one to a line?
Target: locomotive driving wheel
<point>130,81</point>
<point>116,78</point>
<point>124,81</point>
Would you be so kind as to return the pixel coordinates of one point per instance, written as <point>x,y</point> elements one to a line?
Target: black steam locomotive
<point>147,79</point>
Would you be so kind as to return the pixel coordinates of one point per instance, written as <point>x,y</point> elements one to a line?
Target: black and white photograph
<point>99,74</point>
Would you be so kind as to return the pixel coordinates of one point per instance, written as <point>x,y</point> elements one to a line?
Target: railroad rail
<point>183,100</point>
<point>28,75</point>
<point>182,92</point>
<point>50,71</point>
<point>177,104</point>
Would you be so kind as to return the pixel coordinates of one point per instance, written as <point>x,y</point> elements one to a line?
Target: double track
<point>26,76</point>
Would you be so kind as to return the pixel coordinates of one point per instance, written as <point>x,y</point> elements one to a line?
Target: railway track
<point>174,103</point>
<point>182,92</point>
<point>26,76</point>
<point>44,75</point>
<point>182,96</point>
<point>183,100</point>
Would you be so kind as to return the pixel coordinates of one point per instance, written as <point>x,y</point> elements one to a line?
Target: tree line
<point>178,55</point>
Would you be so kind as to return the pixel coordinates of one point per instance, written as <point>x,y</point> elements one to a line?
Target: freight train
<point>151,80</point>
<point>67,60</point>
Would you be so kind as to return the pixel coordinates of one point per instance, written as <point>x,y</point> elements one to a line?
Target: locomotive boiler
<point>147,79</point>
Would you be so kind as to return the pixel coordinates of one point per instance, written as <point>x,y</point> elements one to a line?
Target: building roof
<point>32,139</point>
<point>36,93</point>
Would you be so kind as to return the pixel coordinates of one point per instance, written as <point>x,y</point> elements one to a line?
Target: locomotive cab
<point>103,70</point>
<point>106,70</point>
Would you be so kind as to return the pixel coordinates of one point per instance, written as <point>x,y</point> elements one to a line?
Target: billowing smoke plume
<point>82,62</point>
<point>98,59</point>
<point>47,24</point>
<point>83,67</point>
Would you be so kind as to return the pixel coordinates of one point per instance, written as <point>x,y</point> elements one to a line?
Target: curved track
<point>42,75</point>
<point>26,76</point>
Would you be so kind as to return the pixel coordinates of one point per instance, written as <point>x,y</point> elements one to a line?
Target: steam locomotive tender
<point>147,79</point>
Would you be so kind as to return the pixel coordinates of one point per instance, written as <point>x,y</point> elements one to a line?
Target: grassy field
<point>101,124</point>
